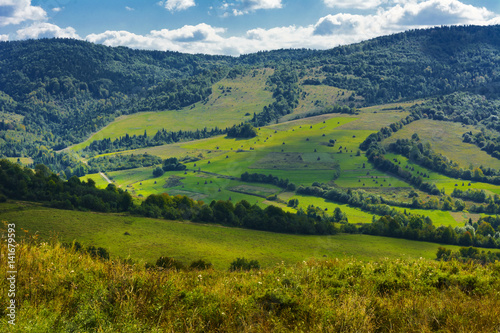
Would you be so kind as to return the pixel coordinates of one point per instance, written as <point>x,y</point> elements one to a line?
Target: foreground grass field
<point>59,290</point>
<point>149,239</point>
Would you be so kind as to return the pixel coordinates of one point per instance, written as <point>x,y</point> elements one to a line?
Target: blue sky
<point>233,27</point>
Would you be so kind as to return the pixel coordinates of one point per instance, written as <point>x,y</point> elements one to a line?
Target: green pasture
<point>203,186</point>
<point>354,215</point>
<point>22,160</point>
<point>445,182</point>
<point>446,138</point>
<point>316,98</point>
<point>100,182</point>
<point>230,101</point>
<point>149,239</point>
<point>438,217</point>
<point>298,151</point>
<point>374,118</point>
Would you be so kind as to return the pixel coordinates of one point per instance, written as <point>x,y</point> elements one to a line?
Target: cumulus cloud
<point>204,38</point>
<point>251,5</point>
<point>57,9</point>
<point>46,30</point>
<point>358,4</point>
<point>201,38</point>
<point>190,33</point>
<point>407,14</point>
<point>177,5</point>
<point>329,31</point>
<point>18,11</point>
<point>242,7</point>
<point>439,12</point>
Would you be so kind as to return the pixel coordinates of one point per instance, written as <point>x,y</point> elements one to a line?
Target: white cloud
<point>329,31</point>
<point>358,4</point>
<point>189,33</point>
<point>4,38</point>
<point>46,30</point>
<point>204,38</point>
<point>201,38</point>
<point>130,9</point>
<point>177,5</point>
<point>407,14</point>
<point>438,12</point>
<point>57,9</point>
<point>242,7</point>
<point>252,5</point>
<point>18,11</point>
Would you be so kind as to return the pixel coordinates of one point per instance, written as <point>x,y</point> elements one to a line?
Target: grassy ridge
<point>63,291</point>
<point>229,103</point>
<point>446,138</point>
<point>151,238</point>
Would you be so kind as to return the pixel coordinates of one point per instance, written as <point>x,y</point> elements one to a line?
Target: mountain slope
<point>65,90</point>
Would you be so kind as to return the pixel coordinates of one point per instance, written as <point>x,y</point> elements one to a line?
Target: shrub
<point>242,264</point>
<point>169,263</point>
<point>158,172</point>
<point>200,265</point>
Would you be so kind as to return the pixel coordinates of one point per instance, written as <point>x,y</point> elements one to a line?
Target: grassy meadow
<point>64,291</point>
<point>149,239</point>
<point>446,138</point>
<point>232,101</point>
<point>297,150</point>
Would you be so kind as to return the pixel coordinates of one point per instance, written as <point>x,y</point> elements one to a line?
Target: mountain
<point>56,92</point>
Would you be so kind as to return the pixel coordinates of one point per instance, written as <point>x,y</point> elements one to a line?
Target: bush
<point>169,263</point>
<point>158,172</point>
<point>200,265</point>
<point>241,264</point>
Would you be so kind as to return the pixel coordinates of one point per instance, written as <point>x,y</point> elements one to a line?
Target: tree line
<point>269,179</point>
<point>420,228</point>
<point>162,137</point>
<point>41,185</point>
<point>422,154</point>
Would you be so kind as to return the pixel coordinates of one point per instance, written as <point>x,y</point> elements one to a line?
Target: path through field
<point>105,177</point>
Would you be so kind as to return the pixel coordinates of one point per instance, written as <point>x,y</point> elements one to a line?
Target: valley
<point>351,189</point>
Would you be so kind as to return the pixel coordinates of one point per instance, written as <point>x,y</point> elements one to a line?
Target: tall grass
<point>60,290</point>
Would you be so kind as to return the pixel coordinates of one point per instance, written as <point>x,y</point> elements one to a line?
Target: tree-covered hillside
<point>56,92</point>
<point>69,89</point>
<point>417,64</point>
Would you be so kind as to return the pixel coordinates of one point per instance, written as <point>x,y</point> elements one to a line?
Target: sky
<point>233,27</point>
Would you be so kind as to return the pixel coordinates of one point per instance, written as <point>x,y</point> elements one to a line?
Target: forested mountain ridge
<point>116,69</point>
<point>417,64</point>
<point>56,92</point>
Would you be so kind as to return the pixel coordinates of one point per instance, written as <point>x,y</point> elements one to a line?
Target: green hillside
<point>148,239</point>
<point>364,135</point>
<point>233,101</point>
